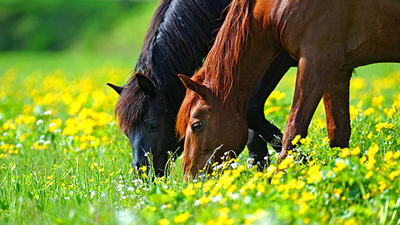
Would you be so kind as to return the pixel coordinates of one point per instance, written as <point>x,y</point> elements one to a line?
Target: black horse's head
<point>149,122</point>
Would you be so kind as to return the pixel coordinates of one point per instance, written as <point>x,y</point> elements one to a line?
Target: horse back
<point>365,31</point>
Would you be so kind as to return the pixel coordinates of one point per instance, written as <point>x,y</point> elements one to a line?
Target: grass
<point>63,160</point>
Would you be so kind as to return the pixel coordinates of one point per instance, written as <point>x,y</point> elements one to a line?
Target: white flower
<point>39,122</point>
<point>48,112</point>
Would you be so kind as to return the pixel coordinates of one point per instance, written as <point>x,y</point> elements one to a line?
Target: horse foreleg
<point>255,110</point>
<point>336,102</point>
<point>258,150</point>
<point>314,72</point>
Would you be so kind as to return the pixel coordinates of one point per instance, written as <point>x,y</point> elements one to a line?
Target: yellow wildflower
<point>379,126</point>
<point>296,139</point>
<point>345,152</point>
<point>181,218</point>
<point>303,208</point>
<point>188,191</point>
<point>394,174</point>
<point>163,222</point>
<point>368,175</point>
<point>355,151</point>
<point>388,155</point>
<point>369,111</point>
<point>208,185</point>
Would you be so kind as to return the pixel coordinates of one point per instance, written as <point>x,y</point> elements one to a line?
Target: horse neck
<point>179,37</point>
<point>257,54</point>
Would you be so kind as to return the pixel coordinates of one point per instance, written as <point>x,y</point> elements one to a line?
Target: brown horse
<point>329,38</point>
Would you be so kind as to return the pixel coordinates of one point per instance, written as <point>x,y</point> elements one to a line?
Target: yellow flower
<point>231,189</point>
<point>396,155</point>
<point>388,156</point>
<point>382,186</point>
<point>208,185</point>
<point>272,109</point>
<point>358,83</point>
<point>394,174</point>
<point>377,101</point>
<point>368,175</point>
<point>345,152</point>
<point>296,139</point>
<point>340,165</point>
<point>379,126</point>
<point>163,222</point>
<point>307,196</point>
<point>355,151</point>
<point>188,191</point>
<point>270,171</point>
<point>181,218</point>
<point>369,111</point>
<point>285,163</point>
<point>303,208</point>
<point>314,174</point>
<point>198,185</point>
<point>373,149</point>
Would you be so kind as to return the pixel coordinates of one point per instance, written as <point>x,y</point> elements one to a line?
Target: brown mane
<point>220,68</point>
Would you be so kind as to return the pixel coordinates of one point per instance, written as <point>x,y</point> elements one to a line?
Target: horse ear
<point>146,84</point>
<point>195,86</point>
<point>116,88</point>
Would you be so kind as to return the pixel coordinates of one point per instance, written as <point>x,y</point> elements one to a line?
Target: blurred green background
<point>102,27</point>
<point>85,33</point>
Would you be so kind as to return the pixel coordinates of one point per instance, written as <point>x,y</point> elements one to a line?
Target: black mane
<point>178,39</point>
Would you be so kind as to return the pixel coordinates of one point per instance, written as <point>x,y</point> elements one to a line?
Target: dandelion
<point>380,126</point>
<point>181,218</point>
<point>396,155</point>
<point>314,174</point>
<point>368,175</point>
<point>355,151</point>
<point>388,156</point>
<point>345,152</point>
<point>163,222</point>
<point>296,139</point>
<point>339,166</point>
<point>208,185</point>
<point>394,174</point>
<point>368,111</point>
<point>188,191</point>
<point>303,208</point>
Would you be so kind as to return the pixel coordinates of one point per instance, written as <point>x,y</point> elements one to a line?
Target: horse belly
<point>374,33</point>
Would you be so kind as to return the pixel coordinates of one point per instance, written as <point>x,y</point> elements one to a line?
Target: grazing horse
<point>178,39</point>
<point>329,38</point>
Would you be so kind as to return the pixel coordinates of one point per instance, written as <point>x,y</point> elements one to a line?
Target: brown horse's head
<point>210,127</point>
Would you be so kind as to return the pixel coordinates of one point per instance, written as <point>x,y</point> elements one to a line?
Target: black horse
<point>178,39</point>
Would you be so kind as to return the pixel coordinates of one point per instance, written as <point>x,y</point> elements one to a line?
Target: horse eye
<point>154,127</point>
<point>197,125</point>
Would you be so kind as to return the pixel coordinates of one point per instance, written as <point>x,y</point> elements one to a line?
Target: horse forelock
<point>222,63</point>
<point>130,106</point>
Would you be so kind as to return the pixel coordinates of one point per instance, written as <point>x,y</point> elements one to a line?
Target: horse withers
<point>329,38</point>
